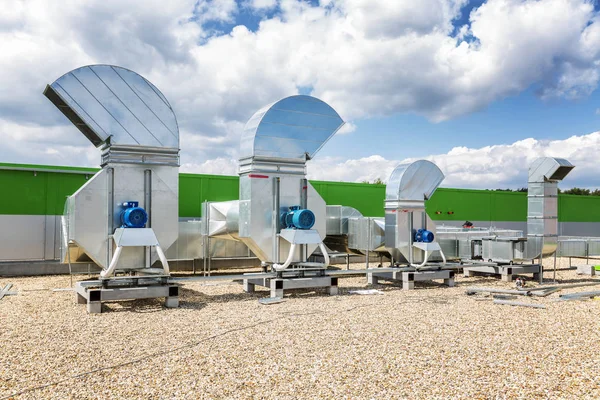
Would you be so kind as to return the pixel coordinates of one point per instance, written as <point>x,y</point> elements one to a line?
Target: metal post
<point>209,254</point>
<point>347,261</point>
<point>275,219</point>
<point>148,208</point>
<point>69,251</point>
<point>410,237</point>
<point>554,274</point>
<point>205,237</point>
<point>110,172</point>
<point>369,240</point>
<point>303,205</point>
<point>541,279</point>
<point>204,256</point>
<point>587,252</point>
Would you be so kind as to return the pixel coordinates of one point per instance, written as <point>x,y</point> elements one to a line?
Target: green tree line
<point>575,190</point>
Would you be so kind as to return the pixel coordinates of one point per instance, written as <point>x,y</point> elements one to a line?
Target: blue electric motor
<point>133,216</point>
<point>296,218</point>
<point>423,236</point>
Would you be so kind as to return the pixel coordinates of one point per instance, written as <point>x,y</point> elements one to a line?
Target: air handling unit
<point>127,213</point>
<point>280,216</point>
<point>409,232</point>
<point>542,224</point>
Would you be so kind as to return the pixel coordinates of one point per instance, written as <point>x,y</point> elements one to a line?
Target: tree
<point>377,181</point>
<point>577,191</point>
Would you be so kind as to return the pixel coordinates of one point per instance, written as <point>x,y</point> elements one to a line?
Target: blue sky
<point>482,88</point>
<point>504,121</point>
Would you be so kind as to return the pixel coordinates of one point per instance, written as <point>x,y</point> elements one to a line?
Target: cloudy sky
<point>482,88</point>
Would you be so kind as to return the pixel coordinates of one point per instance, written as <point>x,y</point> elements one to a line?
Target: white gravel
<point>433,342</point>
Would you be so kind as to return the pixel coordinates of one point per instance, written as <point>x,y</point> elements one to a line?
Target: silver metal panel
<point>86,215</point>
<point>594,247</point>
<point>50,229</point>
<point>109,103</point>
<point>337,219</point>
<point>294,127</point>
<point>502,250</point>
<point>301,236</point>
<point>221,248</point>
<point>366,234</point>
<point>572,248</point>
<point>189,243</point>
<point>21,237</point>
<point>127,237</point>
<point>333,225</point>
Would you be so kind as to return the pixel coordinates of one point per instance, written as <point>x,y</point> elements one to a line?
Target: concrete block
<point>586,270</point>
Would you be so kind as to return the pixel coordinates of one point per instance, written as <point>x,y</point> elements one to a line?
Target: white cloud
<point>348,127</point>
<point>366,58</point>
<point>218,166</point>
<point>491,167</point>
<point>262,4</point>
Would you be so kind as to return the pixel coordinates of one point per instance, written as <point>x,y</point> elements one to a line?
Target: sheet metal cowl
<point>295,127</point>
<point>411,184</point>
<point>116,106</point>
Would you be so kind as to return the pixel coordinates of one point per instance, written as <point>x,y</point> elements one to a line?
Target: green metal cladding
<point>42,190</point>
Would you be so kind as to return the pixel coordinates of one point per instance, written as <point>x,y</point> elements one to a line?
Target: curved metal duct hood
<point>411,184</point>
<point>113,105</point>
<point>295,127</point>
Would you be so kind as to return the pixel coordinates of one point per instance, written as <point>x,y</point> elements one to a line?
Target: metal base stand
<point>279,285</point>
<point>94,293</point>
<point>409,278</point>
<point>505,271</point>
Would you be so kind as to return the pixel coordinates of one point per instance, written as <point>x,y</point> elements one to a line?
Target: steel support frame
<point>277,286</point>
<point>408,279</point>
<point>93,297</point>
<point>506,272</point>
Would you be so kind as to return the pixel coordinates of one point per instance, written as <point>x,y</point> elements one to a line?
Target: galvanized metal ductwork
<point>221,219</point>
<point>542,205</point>
<point>340,220</point>
<point>407,189</point>
<point>133,124</point>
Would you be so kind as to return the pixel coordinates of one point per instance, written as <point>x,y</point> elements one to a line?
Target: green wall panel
<point>573,208</point>
<point>366,198</point>
<point>194,189</point>
<point>37,192</point>
<point>42,190</point>
<point>477,205</point>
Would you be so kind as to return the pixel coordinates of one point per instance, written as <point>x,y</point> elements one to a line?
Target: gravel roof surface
<point>432,342</point>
